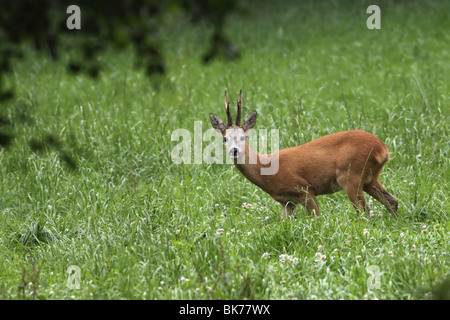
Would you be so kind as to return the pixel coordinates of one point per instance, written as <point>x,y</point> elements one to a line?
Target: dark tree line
<point>104,24</point>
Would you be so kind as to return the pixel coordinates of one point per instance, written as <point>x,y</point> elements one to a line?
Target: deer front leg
<point>286,210</point>
<point>309,201</point>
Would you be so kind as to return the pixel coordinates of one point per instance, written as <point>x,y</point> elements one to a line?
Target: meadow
<point>138,226</point>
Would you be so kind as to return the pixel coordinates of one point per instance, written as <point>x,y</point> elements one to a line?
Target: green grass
<point>140,227</point>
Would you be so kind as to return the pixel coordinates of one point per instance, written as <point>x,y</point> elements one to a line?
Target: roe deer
<point>349,161</point>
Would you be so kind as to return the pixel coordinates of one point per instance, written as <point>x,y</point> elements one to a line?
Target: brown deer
<point>348,160</point>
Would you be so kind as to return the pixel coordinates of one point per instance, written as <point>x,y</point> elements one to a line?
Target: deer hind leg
<point>352,183</point>
<point>376,190</point>
<point>353,186</point>
<point>356,195</point>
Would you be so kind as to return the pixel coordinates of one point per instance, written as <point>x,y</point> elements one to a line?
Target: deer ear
<point>249,121</point>
<point>217,123</point>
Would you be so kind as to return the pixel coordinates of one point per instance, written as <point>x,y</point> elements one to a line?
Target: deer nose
<point>234,152</point>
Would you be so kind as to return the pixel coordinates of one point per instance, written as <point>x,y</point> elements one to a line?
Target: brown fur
<point>348,160</point>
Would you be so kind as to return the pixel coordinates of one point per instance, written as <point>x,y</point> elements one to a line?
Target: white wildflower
<point>319,257</point>
<point>246,205</point>
<point>266,255</point>
<point>294,260</point>
<point>366,233</point>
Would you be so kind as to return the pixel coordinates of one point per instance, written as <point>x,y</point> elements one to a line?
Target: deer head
<point>234,136</point>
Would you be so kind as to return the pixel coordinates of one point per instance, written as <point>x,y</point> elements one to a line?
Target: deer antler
<point>239,104</point>
<point>227,107</point>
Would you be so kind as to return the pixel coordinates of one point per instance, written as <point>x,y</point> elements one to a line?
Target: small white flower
<point>249,233</point>
<point>320,248</point>
<point>402,235</point>
<point>366,233</point>
<point>294,260</point>
<point>335,251</point>
<point>357,257</point>
<point>424,229</point>
<point>319,257</point>
<point>246,205</point>
<point>283,257</point>
<point>390,254</point>
<point>233,230</point>
<point>413,248</point>
<point>220,231</point>
<point>266,255</point>
<point>183,279</point>
<point>49,207</point>
<point>162,283</point>
<point>177,231</point>
<point>199,188</point>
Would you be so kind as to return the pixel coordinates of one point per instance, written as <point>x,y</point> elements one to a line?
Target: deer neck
<point>251,167</point>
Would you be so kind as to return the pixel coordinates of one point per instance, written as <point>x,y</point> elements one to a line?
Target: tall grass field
<point>121,220</point>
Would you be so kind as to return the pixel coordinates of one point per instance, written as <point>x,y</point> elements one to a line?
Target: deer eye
<point>225,139</point>
<point>242,138</point>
